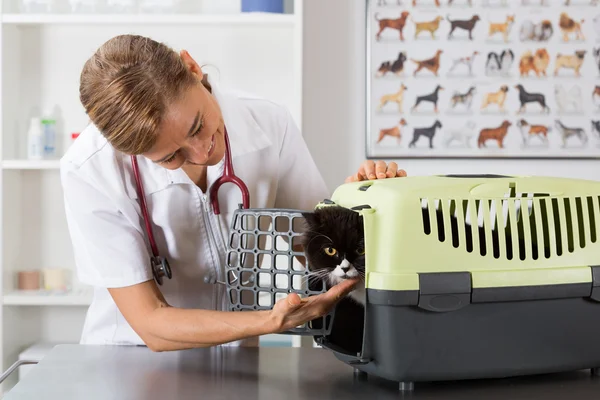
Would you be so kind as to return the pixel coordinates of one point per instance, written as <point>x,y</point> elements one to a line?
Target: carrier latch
<point>444,291</point>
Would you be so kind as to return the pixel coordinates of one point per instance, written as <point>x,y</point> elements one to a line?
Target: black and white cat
<point>334,247</point>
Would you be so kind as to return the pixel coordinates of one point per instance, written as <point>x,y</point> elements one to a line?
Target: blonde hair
<point>126,87</point>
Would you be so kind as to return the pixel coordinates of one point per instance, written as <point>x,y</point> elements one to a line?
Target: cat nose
<point>345,268</point>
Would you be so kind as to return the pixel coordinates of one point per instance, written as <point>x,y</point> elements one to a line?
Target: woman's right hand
<point>294,311</point>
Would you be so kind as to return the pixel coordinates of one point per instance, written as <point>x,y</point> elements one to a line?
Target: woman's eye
<point>330,251</point>
<point>170,159</point>
<point>199,128</point>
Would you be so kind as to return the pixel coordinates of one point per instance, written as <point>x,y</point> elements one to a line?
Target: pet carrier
<point>467,276</point>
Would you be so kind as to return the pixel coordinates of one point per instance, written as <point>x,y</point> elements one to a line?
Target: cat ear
<point>311,218</point>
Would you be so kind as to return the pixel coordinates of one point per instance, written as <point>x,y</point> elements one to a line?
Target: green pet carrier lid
<point>492,231</point>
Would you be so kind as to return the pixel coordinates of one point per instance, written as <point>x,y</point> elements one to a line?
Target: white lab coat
<point>106,225</point>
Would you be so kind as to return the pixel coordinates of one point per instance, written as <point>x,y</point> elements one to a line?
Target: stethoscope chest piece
<point>160,268</point>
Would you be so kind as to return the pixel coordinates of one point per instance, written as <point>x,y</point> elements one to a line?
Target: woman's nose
<point>198,154</point>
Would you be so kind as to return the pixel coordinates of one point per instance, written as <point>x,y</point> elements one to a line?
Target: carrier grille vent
<point>518,226</point>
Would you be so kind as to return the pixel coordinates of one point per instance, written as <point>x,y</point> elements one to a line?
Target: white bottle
<point>121,6</point>
<point>84,6</point>
<point>49,134</point>
<point>35,140</point>
<point>36,6</point>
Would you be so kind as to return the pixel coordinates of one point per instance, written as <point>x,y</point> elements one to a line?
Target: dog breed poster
<point>483,78</point>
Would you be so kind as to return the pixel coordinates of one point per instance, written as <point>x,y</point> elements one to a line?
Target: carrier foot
<point>406,386</point>
<point>596,372</point>
<point>360,375</point>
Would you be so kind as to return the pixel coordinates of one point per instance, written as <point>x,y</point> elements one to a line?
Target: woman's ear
<point>191,64</point>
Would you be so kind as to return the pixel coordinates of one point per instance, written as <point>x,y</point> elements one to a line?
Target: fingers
<point>370,170</point>
<point>340,290</point>
<point>380,169</point>
<point>391,170</point>
<point>293,300</point>
<point>367,170</point>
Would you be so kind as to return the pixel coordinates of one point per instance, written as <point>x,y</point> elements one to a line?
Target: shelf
<point>43,298</point>
<point>114,19</point>
<point>31,164</point>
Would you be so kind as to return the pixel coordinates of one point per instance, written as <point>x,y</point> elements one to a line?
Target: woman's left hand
<point>376,170</point>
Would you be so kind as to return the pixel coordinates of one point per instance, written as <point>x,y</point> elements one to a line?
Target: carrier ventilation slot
<point>519,226</point>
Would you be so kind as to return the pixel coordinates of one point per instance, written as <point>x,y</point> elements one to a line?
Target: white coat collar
<point>245,136</point>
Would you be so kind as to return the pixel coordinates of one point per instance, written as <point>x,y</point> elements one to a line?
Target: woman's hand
<point>376,170</point>
<point>294,311</point>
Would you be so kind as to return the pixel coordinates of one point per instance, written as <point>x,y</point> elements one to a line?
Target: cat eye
<point>361,251</point>
<point>330,251</point>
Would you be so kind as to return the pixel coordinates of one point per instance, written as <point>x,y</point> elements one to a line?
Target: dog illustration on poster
<point>465,99</point>
<point>428,132</point>
<point>537,62</point>
<point>570,61</point>
<point>430,26</point>
<point>498,98</point>
<point>432,98</point>
<point>568,132</point>
<point>499,63</point>
<point>392,23</point>
<point>463,24</point>
<point>529,131</point>
<point>462,135</point>
<point>526,98</point>
<point>569,26</point>
<point>498,134</point>
<point>394,132</point>
<point>431,64</point>
<point>568,100</point>
<point>397,97</point>
<point>467,61</point>
<point>502,28</point>
<point>394,67</point>
<point>536,32</point>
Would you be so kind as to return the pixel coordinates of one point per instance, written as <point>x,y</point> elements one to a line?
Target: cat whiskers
<point>316,275</point>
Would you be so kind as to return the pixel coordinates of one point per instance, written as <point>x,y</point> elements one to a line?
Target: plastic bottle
<point>36,6</point>
<point>49,131</point>
<point>84,6</point>
<point>121,6</point>
<point>35,140</point>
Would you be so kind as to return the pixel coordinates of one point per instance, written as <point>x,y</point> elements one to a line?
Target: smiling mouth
<point>212,146</point>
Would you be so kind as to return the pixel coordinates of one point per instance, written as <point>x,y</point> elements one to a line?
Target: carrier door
<point>262,265</point>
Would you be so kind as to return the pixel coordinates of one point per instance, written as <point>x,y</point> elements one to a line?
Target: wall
<point>334,103</point>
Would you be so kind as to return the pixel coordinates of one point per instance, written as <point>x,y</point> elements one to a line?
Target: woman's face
<point>192,132</point>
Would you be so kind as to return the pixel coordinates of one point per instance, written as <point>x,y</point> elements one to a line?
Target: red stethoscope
<point>160,265</point>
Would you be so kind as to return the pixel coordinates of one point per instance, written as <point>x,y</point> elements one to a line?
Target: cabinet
<point>41,56</point>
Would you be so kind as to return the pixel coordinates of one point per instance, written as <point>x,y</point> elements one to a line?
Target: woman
<point>144,99</point>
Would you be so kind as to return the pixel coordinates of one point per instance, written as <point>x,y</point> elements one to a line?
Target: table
<point>119,372</point>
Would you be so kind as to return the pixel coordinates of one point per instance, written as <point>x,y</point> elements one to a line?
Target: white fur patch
<point>338,275</point>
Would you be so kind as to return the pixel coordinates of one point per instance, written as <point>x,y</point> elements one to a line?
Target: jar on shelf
<point>269,6</point>
<point>37,6</point>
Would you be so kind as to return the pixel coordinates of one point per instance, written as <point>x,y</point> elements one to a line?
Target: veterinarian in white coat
<point>146,99</point>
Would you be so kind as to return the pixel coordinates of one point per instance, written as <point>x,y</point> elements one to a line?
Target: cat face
<point>334,244</point>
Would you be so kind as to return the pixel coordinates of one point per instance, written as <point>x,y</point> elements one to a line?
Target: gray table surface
<point>118,372</point>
